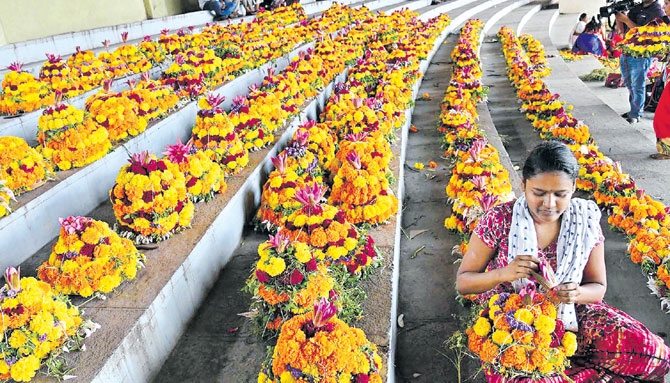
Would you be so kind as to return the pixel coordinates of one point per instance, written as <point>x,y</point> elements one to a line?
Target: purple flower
<point>516,324</point>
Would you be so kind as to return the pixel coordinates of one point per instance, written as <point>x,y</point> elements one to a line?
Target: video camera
<point>614,6</point>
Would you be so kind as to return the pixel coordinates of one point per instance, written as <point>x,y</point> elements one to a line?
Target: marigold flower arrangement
<point>120,115</point>
<point>22,92</point>
<point>319,347</point>
<point>477,177</point>
<point>214,133</point>
<point>204,177</point>
<point>364,196</point>
<point>60,77</point>
<point>615,184</point>
<point>249,126</point>
<point>37,326</point>
<point>22,167</point>
<point>519,334</point>
<point>277,202</point>
<point>150,199</point>
<point>286,281</point>
<point>325,228</point>
<point>375,154</point>
<point>88,68</point>
<point>320,141</point>
<point>152,50</point>
<point>89,258</point>
<point>69,138</point>
<point>161,100</point>
<point>134,58</point>
<point>115,66</point>
<point>186,80</point>
<point>639,212</point>
<point>300,159</point>
<point>647,40</point>
<point>6,197</point>
<point>659,284</point>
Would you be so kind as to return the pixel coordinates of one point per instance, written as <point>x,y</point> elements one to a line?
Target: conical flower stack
<point>204,177</point>
<point>215,134</point>
<point>22,167</point>
<point>60,77</point>
<point>89,258</point>
<point>118,114</point>
<point>70,138</point>
<point>22,92</point>
<point>150,200</point>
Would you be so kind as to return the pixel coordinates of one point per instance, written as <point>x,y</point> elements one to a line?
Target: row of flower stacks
<point>478,181</point>
<point>70,137</point>
<point>646,221</point>
<point>22,92</point>
<point>89,258</point>
<point>302,265</point>
<point>513,334</point>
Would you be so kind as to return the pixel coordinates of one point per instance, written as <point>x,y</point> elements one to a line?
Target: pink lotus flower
<point>310,195</point>
<point>477,148</point>
<point>178,153</point>
<point>354,159</point>
<point>74,224</point>
<point>280,162</point>
<point>479,181</point>
<point>639,193</point>
<point>105,43</point>
<point>301,137</point>
<point>146,39</point>
<point>141,158</point>
<point>487,201</point>
<point>323,311</point>
<point>214,99</point>
<point>124,36</point>
<point>279,242</point>
<point>107,85</point>
<point>356,137</point>
<point>13,278</point>
<point>358,102</point>
<point>15,66</point>
<point>53,58</point>
<point>165,31</point>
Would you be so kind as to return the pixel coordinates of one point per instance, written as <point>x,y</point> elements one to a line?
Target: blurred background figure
<point>578,29</point>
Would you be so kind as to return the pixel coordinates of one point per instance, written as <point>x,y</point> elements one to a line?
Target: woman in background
<point>578,29</point>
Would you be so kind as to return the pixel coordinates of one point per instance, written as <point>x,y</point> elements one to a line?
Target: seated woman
<point>590,41</point>
<point>547,223</point>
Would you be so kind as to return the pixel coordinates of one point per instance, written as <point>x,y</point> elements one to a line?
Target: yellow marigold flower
<point>524,315</point>
<point>418,165</point>
<point>569,341</point>
<point>300,220</point>
<point>25,368</point>
<point>286,377</point>
<point>482,327</point>
<point>302,253</point>
<point>545,324</point>
<point>17,339</point>
<point>501,337</point>
<point>274,266</point>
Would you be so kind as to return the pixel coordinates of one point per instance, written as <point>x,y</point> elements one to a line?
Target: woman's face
<point>666,7</point>
<point>548,195</point>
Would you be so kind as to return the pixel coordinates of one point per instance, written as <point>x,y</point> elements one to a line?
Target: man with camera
<point>634,69</point>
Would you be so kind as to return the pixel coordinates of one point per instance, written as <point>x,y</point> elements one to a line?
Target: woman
<point>547,224</point>
<point>662,114</point>
<point>578,29</point>
<point>590,41</point>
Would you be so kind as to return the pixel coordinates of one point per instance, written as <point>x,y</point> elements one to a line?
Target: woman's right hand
<point>521,267</point>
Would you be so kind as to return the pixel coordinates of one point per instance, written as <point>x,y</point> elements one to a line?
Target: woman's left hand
<point>568,292</point>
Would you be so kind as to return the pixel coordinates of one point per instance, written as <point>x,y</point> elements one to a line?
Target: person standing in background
<point>634,69</point>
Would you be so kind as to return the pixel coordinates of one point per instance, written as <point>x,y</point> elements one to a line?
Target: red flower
<point>296,277</point>
<point>362,378</point>
<point>311,265</point>
<point>262,276</point>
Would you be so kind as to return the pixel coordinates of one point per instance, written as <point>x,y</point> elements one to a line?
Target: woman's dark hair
<point>582,16</point>
<point>593,25</point>
<point>551,156</point>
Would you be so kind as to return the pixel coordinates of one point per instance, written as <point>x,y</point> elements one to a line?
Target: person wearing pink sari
<point>547,225</point>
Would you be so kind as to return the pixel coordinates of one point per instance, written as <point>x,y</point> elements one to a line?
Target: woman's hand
<point>568,292</point>
<point>521,266</point>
